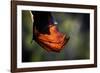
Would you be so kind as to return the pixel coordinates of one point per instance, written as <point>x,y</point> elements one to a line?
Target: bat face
<point>46,34</point>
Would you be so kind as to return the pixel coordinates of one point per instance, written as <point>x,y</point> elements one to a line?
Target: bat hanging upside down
<point>46,33</point>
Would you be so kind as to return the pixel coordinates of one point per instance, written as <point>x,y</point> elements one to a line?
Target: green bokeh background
<point>76,25</point>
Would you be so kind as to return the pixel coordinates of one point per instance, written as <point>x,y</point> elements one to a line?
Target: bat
<point>46,33</point>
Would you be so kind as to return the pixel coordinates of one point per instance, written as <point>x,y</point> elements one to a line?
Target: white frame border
<point>52,63</point>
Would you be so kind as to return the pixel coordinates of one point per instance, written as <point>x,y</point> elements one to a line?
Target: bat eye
<point>55,22</point>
